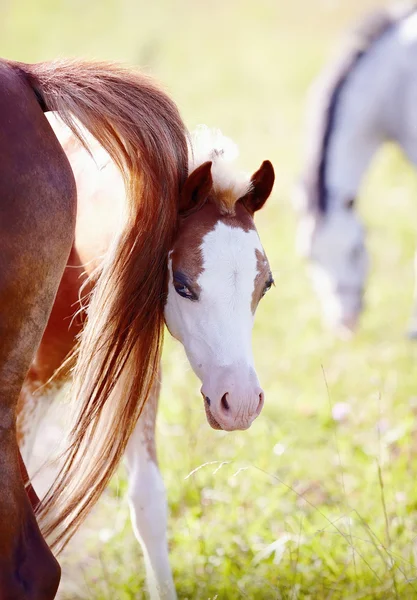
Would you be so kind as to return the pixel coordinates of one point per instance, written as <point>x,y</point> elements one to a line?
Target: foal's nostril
<point>207,399</point>
<point>261,403</point>
<point>224,403</point>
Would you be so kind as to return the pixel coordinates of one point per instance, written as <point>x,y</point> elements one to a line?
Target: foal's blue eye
<point>268,286</point>
<point>184,291</point>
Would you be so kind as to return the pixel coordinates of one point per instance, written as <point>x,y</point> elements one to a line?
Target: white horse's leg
<point>147,502</point>
<point>412,330</point>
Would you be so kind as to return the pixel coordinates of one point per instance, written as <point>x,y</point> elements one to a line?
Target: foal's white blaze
<point>216,329</point>
<point>339,266</point>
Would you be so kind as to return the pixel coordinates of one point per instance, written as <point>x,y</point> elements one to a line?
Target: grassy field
<point>318,499</point>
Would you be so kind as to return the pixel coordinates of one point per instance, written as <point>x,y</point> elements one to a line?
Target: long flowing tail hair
<point>141,129</point>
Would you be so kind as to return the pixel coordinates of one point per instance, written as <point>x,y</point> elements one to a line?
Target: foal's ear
<point>262,183</point>
<point>196,189</point>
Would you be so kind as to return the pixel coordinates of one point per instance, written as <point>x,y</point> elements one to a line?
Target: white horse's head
<point>334,242</point>
<point>218,272</point>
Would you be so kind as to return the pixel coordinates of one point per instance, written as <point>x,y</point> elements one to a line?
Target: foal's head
<point>218,272</point>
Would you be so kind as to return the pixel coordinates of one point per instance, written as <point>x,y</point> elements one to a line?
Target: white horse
<point>367,96</point>
<point>218,272</point>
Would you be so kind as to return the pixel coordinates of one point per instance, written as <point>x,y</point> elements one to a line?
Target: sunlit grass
<point>317,499</point>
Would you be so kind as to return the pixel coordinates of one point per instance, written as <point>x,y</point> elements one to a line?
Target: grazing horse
<point>217,274</point>
<point>368,95</point>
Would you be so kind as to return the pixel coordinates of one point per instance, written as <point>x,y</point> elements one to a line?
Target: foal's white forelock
<point>208,144</point>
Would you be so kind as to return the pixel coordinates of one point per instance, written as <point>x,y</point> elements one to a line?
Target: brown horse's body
<point>37,219</point>
<point>141,130</point>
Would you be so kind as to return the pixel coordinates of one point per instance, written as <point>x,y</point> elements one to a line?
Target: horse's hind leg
<point>37,220</point>
<point>147,502</point>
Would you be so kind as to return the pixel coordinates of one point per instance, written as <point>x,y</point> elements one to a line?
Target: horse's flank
<point>140,128</point>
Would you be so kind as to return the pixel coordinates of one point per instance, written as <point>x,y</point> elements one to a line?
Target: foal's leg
<point>147,502</point>
<point>412,329</point>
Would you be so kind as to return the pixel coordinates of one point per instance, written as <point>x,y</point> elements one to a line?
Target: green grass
<point>305,506</point>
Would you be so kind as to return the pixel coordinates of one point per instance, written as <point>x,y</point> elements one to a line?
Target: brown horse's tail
<point>141,129</point>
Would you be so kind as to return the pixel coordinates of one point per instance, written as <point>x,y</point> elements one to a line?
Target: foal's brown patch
<point>263,271</point>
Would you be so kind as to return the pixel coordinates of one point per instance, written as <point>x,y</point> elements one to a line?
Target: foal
<point>217,274</point>
<point>365,97</point>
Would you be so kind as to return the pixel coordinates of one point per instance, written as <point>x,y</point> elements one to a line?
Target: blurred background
<point>318,498</point>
